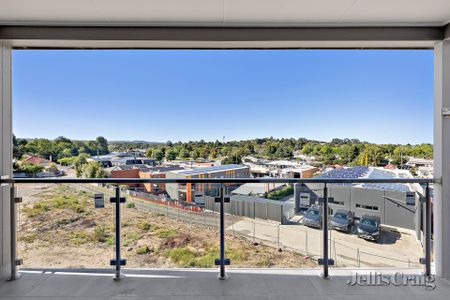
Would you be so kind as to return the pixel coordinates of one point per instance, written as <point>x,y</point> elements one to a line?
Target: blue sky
<point>383,96</point>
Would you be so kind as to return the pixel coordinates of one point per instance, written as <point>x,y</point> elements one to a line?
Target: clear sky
<point>383,96</point>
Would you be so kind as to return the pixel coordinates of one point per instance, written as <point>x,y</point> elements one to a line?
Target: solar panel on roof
<point>360,171</point>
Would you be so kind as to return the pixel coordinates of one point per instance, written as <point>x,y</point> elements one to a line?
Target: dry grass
<point>61,228</point>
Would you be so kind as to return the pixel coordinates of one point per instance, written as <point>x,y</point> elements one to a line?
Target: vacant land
<point>60,228</point>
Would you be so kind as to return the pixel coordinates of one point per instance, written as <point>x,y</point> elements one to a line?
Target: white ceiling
<point>226,12</point>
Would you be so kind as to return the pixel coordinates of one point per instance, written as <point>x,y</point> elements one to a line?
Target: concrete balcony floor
<point>202,284</point>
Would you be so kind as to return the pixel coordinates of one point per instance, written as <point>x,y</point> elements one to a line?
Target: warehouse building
<point>397,205</point>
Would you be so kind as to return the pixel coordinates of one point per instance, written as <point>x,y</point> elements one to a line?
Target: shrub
<point>36,209</point>
<point>29,238</point>
<point>143,225</point>
<point>110,240</point>
<point>182,256</point>
<point>100,234</point>
<point>130,238</point>
<point>143,250</point>
<point>281,193</point>
<point>80,237</point>
<point>30,168</point>
<point>67,161</point>
<point>166,233</point>
<point>131,205</point>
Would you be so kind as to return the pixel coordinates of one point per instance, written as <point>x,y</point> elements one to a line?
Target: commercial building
<point>123,158</point>
<point>142,171</point>
<point>396,204</point>
<point>257,189</point>
<point>279,168</point>
<point>191,192</point>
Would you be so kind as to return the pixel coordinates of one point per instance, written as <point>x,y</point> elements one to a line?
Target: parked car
<point>343,220</point>
<point>369,228</point>
<point>313,217</point>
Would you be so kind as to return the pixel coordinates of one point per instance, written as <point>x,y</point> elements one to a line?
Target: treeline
<point>59,148</point>
<point>338,151</point>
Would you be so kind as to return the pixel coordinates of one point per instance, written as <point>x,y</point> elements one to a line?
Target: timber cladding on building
<point>188,192</point>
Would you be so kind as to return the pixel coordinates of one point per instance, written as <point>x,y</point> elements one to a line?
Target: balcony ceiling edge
<point>221,37</point>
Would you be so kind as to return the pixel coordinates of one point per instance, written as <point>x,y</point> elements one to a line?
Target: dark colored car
<point>313,217</point>
<point>343,220</point>
<point>369,228</point>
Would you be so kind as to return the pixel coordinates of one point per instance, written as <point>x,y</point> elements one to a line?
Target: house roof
<point>36,160</point>
<point>213,169</point>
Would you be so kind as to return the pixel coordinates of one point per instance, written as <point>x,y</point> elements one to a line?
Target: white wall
<point>441,199</point>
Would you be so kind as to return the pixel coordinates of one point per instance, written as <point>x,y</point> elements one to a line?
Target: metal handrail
<point>216,180</point>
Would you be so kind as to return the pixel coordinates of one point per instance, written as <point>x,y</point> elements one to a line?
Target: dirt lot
<point>59,227</point>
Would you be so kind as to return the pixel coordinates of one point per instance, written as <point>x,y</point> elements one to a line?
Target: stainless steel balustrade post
<point>118,262</point>
<point>13,219</point>
<point>325,261</point>
<point>427,231</point>
<point>222,261</point>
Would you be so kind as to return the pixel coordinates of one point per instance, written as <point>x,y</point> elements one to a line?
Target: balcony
<point>228,25</point>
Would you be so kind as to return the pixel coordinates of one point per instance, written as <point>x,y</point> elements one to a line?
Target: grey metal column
<point>222,261</point>
<point>118,261</point>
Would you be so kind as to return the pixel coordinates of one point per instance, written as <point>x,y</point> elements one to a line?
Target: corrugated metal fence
<point>254,207</point>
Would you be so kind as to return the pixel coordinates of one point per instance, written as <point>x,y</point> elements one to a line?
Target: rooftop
<point>256,188</point>
<point>213,169</point>
<point>369,172</point>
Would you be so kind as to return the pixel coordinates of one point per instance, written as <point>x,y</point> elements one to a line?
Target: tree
<point>158,154</point>
<point>66,161</point>
<point>102,145</point>
<point>325,149</point>
<point>171,154</point>
<point>372,155</point>
<point>149,153</point>
<point>399,156</point>
<point>271,149</point>
<point>195,154</point>
<point>184,154</point>
<point>93,169</point>
<point>347,153</point>
<point>78,164</point>
<point>16,150</point>
<point>283,152</point>
<point>234,158</point>
<point>307,149</point>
